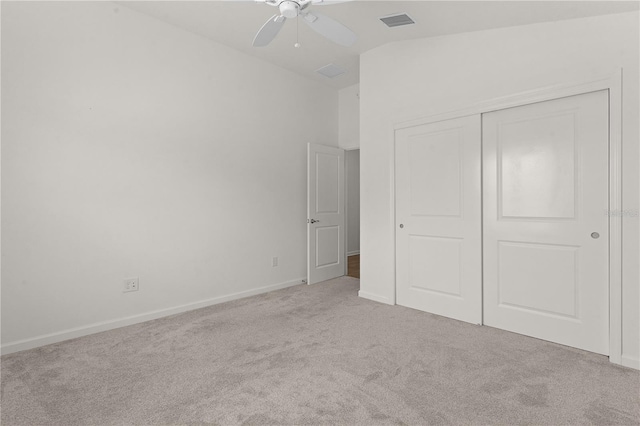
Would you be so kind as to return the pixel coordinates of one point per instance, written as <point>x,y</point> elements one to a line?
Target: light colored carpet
<point>313,355</point>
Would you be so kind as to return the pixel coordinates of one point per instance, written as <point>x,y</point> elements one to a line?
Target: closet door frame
<point>613,84</point>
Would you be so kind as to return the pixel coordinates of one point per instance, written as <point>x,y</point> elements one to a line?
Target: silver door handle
<point>313,221</point>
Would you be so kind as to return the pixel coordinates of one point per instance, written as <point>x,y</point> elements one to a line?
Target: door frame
<point>613,84</point>
<point>346,209</point>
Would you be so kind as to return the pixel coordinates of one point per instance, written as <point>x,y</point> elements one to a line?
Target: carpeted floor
<point>313,355</point>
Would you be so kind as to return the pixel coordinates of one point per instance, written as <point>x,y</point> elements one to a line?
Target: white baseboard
<point>353,253</point>
<point>630,362</point>
<point>374,297</point>
<point>98,327</point>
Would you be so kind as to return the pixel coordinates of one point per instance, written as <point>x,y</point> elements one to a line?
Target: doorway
<point>352,165</point>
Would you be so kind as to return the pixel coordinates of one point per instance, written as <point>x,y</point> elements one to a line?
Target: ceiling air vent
<point>331,71</point>
<point>397,20</point>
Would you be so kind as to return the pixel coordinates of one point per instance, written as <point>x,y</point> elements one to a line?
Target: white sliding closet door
<point>438,224</point>
<point>545,196</point>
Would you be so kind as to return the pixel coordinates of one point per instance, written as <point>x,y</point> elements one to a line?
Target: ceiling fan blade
<point>330,28</point>
<point>327,2</point>
<point>269,31</point>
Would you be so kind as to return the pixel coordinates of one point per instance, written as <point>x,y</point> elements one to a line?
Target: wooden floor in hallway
<point>353,266</point>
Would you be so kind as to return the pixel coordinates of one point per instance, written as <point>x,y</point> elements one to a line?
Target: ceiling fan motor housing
<point>289,9</point>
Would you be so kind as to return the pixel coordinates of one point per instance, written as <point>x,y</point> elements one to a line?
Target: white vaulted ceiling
<point>234,23</point>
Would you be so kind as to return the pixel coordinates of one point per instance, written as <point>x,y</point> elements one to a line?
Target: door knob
<point>595,235</point>
<point>313,221</point>
<point>401,225</point>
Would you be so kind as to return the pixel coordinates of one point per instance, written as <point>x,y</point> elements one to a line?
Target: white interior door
<point>438,222</point>
<point>325,213</point>
<point>545,195</point>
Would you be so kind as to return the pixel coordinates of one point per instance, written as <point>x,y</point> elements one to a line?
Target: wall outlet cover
<point>130,284</point>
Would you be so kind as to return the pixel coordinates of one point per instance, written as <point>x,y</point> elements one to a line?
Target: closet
<point>501,219</point>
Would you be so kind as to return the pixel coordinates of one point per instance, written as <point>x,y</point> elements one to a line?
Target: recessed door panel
<point>537,165</point>
<point>541,278</point>
<point>434,264</point>
<point>438,224</point>
<point>545,193</point>
<point>327,181</point>
<point>328,238</point>
<point>435,173</point>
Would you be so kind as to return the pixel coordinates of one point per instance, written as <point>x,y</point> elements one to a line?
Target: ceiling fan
<point>289,9</point>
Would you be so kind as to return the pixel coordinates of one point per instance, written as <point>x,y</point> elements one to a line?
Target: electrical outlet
<point>131,284</point>
<point>274,261</point>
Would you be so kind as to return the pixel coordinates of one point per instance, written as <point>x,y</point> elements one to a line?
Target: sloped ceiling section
<point>234,23</point>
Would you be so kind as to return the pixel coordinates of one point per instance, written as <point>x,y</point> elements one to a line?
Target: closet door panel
<point>545,197</point>
<point>438,229</point>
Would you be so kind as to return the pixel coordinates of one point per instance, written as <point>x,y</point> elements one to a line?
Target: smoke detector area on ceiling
<point>331,71</point>
<point>397,20</point>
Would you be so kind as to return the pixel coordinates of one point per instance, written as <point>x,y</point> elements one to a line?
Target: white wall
<point>133,148</point>
<point>431,76</point>
<point>352,161</point>
<point>349,113</point>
